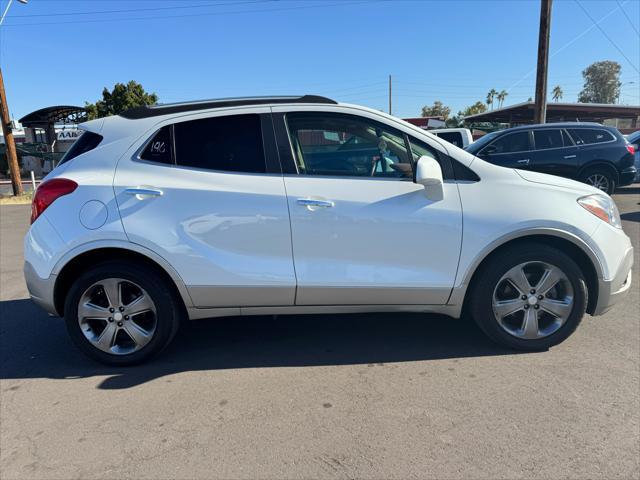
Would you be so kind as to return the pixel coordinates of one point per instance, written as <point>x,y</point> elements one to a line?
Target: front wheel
<point>529,297</point>
<point>121,314</point>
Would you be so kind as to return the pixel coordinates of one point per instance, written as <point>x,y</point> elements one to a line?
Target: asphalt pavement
<point>342,396</point>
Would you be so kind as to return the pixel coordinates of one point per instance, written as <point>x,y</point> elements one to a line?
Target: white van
<point>460,137</point>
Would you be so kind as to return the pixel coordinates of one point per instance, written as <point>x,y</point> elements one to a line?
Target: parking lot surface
<point>343,396</point>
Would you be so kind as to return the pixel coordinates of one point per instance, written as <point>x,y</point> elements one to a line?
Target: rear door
<point>554,152</point>
<point>593,144</point>
<point>511,150</point>
<point>204,195</point>
<point>363,232</point>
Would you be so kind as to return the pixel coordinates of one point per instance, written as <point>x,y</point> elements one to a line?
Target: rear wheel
<point>529,297</point>
<point>121,314</point>
<point>601,178</point>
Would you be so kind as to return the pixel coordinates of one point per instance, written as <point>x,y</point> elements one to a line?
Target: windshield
<point>476,146</point>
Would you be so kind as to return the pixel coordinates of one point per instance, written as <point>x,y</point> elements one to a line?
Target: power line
<point>628,19</point>
<point>179,7</point>
<point>235,12</point>
<point>607,36</point>
<point>567,45</point>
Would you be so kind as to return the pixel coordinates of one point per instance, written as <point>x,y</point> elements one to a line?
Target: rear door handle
<point>144,192</point>
<point>312,203</point>
<point>524,161</point>
<point>569,156</point>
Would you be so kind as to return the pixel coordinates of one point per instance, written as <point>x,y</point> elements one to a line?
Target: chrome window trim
<point>576,144</point>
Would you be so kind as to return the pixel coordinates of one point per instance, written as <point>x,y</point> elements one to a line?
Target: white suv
<point>303,205</point>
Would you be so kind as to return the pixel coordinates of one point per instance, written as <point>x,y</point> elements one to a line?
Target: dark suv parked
<point>589,152</point>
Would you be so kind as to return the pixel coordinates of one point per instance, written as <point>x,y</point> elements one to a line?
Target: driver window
<point>344,145</point>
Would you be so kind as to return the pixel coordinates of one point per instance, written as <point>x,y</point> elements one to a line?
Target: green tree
<point>121,98</point>
<point>477,107</point>
<point>556,93</point>
<point>501,96</point>
<point>601,83</point>
<point>491,96</point>
<point>437,110</point>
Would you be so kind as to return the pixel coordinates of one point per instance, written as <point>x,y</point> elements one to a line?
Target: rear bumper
<point>40,289</point>
<point>613,291</point>
<point>627,176</point>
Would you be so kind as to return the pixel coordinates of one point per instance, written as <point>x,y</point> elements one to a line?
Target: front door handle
<point>569,156</point>
<point>524,161</point>
<point>143,192</point>
<point>312,203</point>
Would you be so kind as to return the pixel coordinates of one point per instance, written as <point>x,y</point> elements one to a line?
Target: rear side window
<point>232,143</point>
<point>513,142</point>
<point>452,137</point>
<point>159,149</point>
<point>87,141</point>
<point>587,136</point>
<point>548,138</point>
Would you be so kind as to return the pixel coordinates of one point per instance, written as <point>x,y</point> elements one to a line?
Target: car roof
<point>558,125</point>
<point>169,108</point>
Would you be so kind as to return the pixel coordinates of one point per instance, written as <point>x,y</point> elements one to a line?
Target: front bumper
<point>40,289</point>
<point>613,291</point>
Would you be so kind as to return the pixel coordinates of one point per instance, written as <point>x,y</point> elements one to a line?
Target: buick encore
<point>293,205</point>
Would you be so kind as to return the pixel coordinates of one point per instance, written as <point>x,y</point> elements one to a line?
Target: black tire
<point>482,290</point>
<point>595,173</point>
<point>168,307</point>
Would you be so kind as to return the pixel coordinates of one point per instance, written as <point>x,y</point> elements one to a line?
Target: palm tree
<point>490,96</point>
<point>557,93</point>
<point>501,96</point>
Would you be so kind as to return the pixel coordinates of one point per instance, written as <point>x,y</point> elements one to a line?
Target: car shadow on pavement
<point>631,217</point>
<point>33,345</point>
<point>628,191</point>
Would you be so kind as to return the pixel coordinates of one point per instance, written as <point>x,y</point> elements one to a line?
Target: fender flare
<point>133,247</point>
<point>459,292</point>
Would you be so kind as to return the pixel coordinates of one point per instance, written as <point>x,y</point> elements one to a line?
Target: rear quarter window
<point>160,148</point>
<point>588,136</point>
<point>87,142</point>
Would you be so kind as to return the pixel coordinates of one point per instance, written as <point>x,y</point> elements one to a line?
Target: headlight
<point>602,207</point>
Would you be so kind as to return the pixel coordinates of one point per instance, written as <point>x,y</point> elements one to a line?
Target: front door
<point>512,150</point>
<point>212,209</point>
<point>363,233</point>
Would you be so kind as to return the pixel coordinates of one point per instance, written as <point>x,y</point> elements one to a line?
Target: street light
<point>10,145</point>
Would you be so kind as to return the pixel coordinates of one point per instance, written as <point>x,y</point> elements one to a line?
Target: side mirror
<point>488,150</point>
<point>428,172</point>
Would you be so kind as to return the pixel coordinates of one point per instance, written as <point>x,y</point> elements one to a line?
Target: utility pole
<point>10,145</point>
<point>540,111</point>
<point>389,94</point>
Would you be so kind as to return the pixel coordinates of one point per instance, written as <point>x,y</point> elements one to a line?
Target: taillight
<point>630,148</point>
<point>48,192</point>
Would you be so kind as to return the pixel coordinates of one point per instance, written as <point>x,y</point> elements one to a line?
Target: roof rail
<point>167,108</point>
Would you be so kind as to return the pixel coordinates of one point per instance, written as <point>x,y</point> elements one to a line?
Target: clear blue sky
<point>453,51</point>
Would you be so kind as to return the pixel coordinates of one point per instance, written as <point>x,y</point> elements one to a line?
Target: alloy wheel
<point>117,316</point>
<point>599,181</point>
<point>532,300</point>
